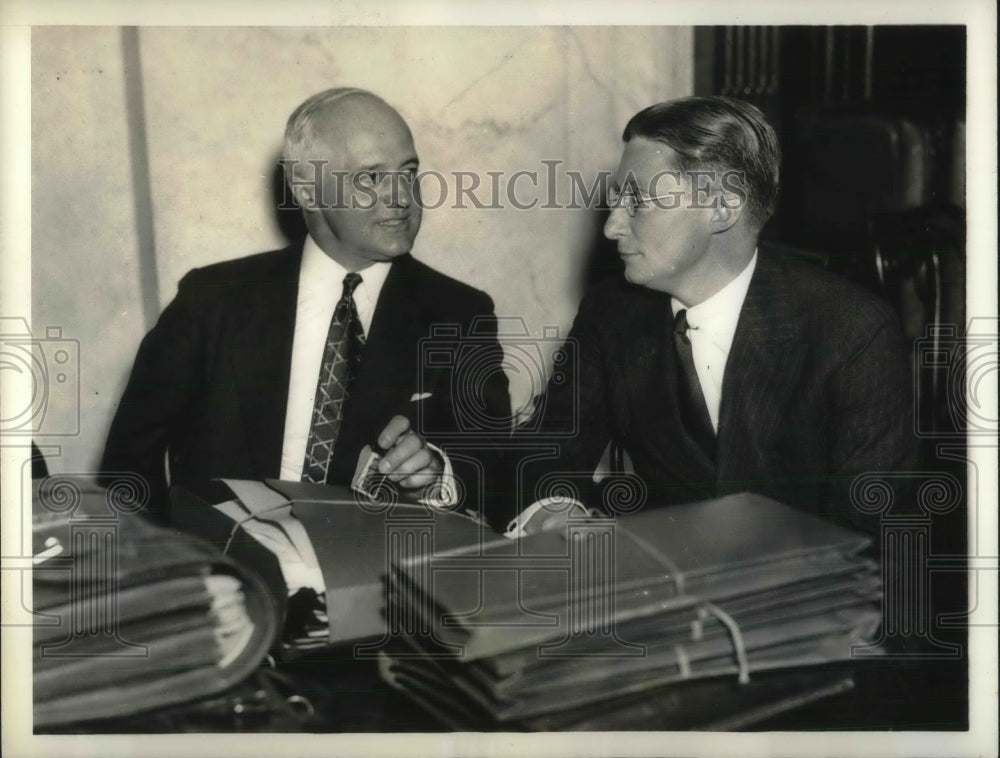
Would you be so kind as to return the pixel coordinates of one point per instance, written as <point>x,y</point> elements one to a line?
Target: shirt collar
<point>724,304</point>
<point>321,273</point>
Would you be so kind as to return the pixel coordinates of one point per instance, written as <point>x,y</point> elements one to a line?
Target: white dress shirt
<point>321,283</point>
<point>712,326</point>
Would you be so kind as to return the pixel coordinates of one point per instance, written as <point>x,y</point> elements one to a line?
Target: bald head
<point>329,119</point>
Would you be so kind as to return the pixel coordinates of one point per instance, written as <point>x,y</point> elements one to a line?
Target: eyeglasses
<point>631,201</point>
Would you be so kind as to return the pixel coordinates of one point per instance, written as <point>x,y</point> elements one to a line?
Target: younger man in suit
<point>285,364</point>
<point>718,369</point>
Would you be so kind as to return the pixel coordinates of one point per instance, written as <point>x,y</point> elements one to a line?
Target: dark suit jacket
<point>210,382</point>
<point>816,389</point>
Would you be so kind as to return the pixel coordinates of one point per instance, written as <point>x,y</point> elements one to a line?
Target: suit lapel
<point>389,366</point>
<point>641,361</point>
<point>261,356</point>
<point>649,374</point>
<point>762,369</point>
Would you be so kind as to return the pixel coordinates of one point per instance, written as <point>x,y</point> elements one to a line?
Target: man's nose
<point>399,193</point>
<point>617,224</point>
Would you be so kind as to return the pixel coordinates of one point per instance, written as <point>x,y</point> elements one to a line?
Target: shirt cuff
<point>533,518</point>
<point>444,493</point>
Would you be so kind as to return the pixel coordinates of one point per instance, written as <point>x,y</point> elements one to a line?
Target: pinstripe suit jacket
<point>816,389</point>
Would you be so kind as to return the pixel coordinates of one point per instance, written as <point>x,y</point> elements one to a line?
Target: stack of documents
<point>254,524</point>
<point>322,550</point>
<point>130,617</point>
<point>739,604</point>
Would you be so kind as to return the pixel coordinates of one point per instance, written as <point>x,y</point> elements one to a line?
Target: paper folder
<point>552,627</point>
<point>130,616</point>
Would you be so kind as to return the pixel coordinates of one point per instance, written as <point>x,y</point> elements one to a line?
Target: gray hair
<point>300,129</point>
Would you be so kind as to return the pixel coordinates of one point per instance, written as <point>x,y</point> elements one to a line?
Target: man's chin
<point>642,277</point>
<point>387,249</point>
<point>634,273</point>
<point>394,246</point>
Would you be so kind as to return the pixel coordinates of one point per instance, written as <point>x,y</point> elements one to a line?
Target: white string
<point>683,661</point>
<point>737,637</point>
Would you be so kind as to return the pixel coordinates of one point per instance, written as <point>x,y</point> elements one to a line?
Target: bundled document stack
<point>709,615</point>
<point>322,550</point>
<point>254,524</point>
<point>130,617</point>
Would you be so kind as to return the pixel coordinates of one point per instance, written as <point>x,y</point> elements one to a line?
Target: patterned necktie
<point>694,411</point>
<point>344,342</point>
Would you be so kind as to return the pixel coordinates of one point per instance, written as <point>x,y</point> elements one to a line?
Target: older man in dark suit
<point>286,364</point>
<point>716,368</point>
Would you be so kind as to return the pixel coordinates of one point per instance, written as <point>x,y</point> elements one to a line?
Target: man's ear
<point>726,212</point>
<point>304,193</point>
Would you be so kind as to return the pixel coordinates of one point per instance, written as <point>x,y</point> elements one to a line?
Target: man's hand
<point>408,461</point>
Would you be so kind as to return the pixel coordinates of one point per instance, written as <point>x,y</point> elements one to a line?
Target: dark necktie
<point>690,398</point>
<point>344,342</point>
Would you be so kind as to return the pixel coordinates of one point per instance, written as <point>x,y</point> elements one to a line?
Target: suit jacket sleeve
<point>164,381</point>
<point>572,418</point>
<point>475,415</point>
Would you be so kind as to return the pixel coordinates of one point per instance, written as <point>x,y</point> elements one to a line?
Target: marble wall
<point>549,100</point>
<point>85,264</point>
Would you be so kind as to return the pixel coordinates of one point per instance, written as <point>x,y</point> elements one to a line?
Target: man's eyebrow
<point>383,167</point>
